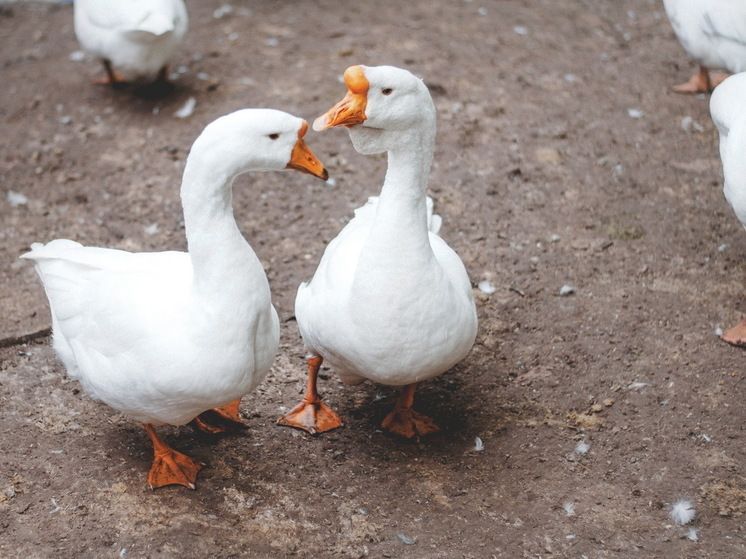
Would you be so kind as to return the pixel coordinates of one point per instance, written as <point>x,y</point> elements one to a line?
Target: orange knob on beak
<point>303,160</point>
<point>350,110</point>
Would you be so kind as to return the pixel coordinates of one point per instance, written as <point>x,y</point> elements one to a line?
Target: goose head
<point>385,108</point>
<point>256,140</point>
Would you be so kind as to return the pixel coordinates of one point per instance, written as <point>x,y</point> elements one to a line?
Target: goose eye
<point>387,91</point>
<point>274,136</point>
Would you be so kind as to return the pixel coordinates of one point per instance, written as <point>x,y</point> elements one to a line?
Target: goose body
<point>135,37</point>
<point>165,336</point>
<point>713,34</point>
<point>390,301</point>
<point>394,321</point>
<point>728,111</point>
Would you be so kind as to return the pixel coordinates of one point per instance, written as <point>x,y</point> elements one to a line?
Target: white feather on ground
<point>486,287</point>
<point>682,512</point>
<point>582,448</point>
<point>187,109</point>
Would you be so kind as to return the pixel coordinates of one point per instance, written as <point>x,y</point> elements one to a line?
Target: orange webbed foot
<point>117,81</point>
<point>409,423</point>
<point>700,82</point>
<point>112,78</point>
<point>717,79</point>
<point>406,422</point>
<point>312,416</point>
<point>225,419</point>
<point>170,466</point>
<point>736,335</point>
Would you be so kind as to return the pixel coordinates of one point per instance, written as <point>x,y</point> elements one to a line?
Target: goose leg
<point>736,335</point>
<point>700,82</point>
<point>312,414</point>
<point>162,75</point>
<point>224,419</point>
<point>112,78</point>
<point>160,87</point>
<point>717,78</point>
<point>406,422</point>
<point>170,466</point>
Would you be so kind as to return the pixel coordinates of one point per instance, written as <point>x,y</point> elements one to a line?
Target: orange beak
<point>350,110</point>
<point>303,160</point>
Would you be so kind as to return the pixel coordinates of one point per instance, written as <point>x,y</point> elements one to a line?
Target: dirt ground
<point>563,159</point>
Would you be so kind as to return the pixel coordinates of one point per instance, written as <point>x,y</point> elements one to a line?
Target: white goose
<point>728,110</point>
<point>165,336</point>
<point>390,301</point>
<point>713,33</point>
<point>137,37</point>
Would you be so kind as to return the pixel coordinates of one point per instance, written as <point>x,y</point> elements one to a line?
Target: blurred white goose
<point>164,336</point>
<point>390,301</point>
<point>135,37</point>
<point>713,33</point>
<point>728,110</point>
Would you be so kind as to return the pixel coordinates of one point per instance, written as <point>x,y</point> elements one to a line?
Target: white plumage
<point>396,318</point>
<point>136,37</point>
<point>728,111</point>
<point>713,33</point>
<point>165,336</point>
<point>682,512</point>
<point>390,301</point>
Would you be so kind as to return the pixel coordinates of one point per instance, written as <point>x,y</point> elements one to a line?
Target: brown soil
<point>543,177</point>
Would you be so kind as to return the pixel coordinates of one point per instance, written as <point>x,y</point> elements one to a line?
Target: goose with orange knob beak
<point>390,301</point>
<point>172,337</point>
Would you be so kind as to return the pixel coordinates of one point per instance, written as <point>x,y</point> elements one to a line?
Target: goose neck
<point>214,241</point>
<point>403,191</point>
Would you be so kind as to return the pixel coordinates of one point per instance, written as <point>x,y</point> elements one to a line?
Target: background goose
<point>164,336</point>
<point>390,301</point>
<point>713,33</point>
<point>135,37</point>
<point>728,110</point>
